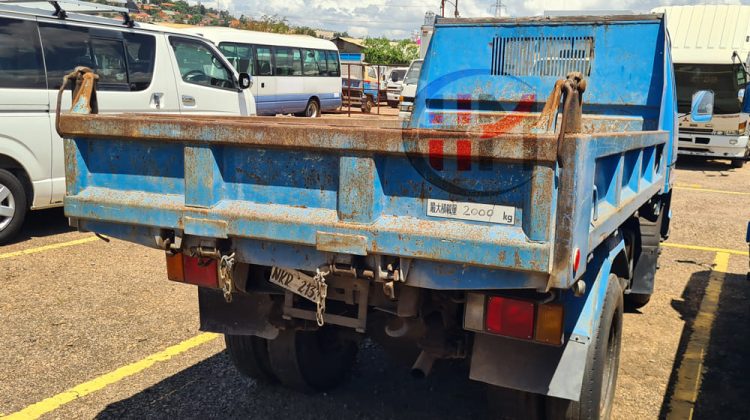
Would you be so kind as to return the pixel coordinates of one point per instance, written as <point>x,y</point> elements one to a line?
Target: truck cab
<point>710,48</point>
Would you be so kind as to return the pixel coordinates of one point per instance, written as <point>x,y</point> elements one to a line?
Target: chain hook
<point>226,264</point>
<point>320,281</point>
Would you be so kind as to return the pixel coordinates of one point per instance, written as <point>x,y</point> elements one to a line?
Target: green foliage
<point>382,51</point>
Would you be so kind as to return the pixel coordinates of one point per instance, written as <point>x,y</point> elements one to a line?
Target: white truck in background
<point>710,47</point>
<point>409,87</point>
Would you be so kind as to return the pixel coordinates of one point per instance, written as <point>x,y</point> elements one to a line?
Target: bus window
<point>332,60</point>
<point>240,55</point>
<point>320,57</point>
<point>263,60</point>
<point>288,61</point>
<point>311,65</point>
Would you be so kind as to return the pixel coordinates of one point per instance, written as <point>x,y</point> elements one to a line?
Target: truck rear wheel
<point>311,361</point>
<point>599,378</point>
<point>368,104</point>
<point>250,356</point>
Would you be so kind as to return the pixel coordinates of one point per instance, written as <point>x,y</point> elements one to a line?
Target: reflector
<point>549,324</point>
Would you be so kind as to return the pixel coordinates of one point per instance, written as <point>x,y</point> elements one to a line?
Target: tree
<point>382,51</point>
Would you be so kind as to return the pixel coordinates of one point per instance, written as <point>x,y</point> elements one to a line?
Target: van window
<point>21,64</point>
<point>332,60</point>
<point>140,49</point>
<point>199,65</point>
<point>288,61</point>
<point>263,59</point>
<point>123,61</point>
<point>109,60</point>
<point>240,55</point>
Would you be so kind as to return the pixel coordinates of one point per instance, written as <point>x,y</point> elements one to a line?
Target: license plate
<point>490,213</point>
<point>296,282</point>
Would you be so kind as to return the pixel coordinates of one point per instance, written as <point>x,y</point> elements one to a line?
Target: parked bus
<point>292,74</point>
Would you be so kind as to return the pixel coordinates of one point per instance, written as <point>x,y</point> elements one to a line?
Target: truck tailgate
<point>339,186</point>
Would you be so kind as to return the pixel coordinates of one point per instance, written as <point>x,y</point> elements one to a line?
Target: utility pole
<point>499,6</point>
<point>455,7</point>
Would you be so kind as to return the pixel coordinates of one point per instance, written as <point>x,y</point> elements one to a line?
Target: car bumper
<point>713,146</point>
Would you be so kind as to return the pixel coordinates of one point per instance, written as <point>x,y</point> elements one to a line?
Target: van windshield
<point>412,76</point>
<point>725,80</point>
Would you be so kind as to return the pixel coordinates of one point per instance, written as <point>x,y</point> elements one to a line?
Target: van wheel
<point>311,361</point>
<point>250,356</point>
<point>13,206</point>
<point>599,377</point>
<point>738,163</point>
<point>312,110</point>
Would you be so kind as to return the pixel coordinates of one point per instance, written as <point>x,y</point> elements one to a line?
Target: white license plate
<point>490,213</point>
<point>296,282</point>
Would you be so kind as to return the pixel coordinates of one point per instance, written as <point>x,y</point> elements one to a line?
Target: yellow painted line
<point>712,191</point>
<point>679,184</point>
<point>53,403</point>
<point>690,372</point>
<point>48,247</point>
<point>704,248</point>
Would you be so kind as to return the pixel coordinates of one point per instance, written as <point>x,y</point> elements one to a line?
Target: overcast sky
<point>400,18</point>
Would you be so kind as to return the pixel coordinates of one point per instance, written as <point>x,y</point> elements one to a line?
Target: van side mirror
<point>245,81</point>
<point>702,107</point>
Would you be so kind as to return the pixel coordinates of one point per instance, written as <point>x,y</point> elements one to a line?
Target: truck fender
<point>553,371</point>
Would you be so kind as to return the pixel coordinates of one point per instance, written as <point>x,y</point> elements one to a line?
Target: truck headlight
<point>718,133</point>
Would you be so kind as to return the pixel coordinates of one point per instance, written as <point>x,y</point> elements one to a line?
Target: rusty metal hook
<point>84,93</point>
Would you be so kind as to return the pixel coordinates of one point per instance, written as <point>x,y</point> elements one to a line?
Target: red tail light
<point>194,270</point>
<point>510,317</point>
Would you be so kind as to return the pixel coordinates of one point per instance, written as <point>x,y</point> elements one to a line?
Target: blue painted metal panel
<point>358,190</point>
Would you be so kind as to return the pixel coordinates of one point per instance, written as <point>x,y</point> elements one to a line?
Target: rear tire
<point>738,163</point>
<point>250,356</point>
<point>312,110</point>
<point>13,206</point>
<point>367,105</point>
<point>311,361</point>
<point>599,377</point>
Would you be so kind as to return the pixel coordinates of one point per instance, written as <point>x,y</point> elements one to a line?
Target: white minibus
<point>292,74</point>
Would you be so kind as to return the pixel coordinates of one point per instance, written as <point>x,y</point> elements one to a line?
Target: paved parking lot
<point>94,329</point>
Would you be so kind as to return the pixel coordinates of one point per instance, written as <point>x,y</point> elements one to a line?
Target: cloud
<point>400,18</point>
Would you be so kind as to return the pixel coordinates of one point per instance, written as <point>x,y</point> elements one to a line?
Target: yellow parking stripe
<point>53,403</point>
<point>712,190</point>
<point>704,248</point>
<point>690,372</point>
<point>48,247</point>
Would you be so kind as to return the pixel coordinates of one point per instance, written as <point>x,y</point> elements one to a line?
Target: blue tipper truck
<point>507,224</point>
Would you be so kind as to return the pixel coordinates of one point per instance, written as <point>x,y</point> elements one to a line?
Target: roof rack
<point>84,7</point>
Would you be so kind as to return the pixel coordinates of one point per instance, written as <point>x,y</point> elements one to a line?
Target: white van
<point>293,74</point>
<point>141,69</point>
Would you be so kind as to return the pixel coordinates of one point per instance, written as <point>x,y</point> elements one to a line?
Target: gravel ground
<point>72,314</point>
